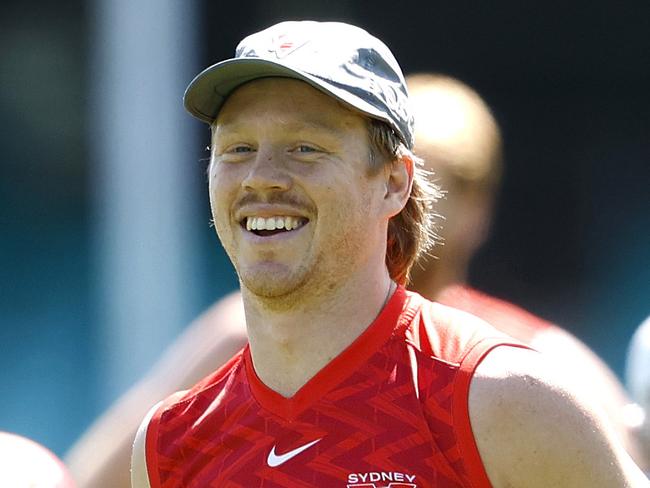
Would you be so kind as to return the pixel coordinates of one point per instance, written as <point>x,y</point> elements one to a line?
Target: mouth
<point>270,226</point>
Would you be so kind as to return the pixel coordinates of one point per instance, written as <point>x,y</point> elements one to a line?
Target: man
<point>348,379</point>
<point>460,143</point>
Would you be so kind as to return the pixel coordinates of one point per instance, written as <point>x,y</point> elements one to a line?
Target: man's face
<point>291,196</point>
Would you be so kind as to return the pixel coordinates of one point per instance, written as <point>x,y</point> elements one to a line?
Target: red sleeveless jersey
<point>391,411</point>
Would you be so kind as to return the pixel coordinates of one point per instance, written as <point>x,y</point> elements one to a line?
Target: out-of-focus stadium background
<point>106,250</point>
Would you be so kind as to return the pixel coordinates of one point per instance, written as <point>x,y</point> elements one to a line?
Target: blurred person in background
<point>460,142</point>
<point>26,464</point>
<point>638,383</point>
<point>101,457</point>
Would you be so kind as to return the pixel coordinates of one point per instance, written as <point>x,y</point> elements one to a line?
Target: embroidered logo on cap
<point>284,45</point>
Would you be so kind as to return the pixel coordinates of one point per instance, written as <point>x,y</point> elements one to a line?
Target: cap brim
<point>208,91</point>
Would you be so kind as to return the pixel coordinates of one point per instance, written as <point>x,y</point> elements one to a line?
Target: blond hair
<point>412,232</point>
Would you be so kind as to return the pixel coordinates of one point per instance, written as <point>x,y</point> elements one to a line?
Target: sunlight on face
<point>291,197</point>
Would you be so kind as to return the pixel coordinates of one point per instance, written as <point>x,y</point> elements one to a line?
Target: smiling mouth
<point>269,226</point>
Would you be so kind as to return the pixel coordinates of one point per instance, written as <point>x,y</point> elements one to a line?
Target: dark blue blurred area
<point>571,241</point>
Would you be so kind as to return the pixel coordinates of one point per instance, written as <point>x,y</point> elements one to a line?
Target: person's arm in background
<point>101,458</point>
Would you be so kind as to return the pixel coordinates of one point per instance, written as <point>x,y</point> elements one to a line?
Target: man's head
<point>460,143</point>
<point>311,127</point>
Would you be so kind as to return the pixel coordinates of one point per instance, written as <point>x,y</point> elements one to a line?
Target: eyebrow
<point>230,127</point>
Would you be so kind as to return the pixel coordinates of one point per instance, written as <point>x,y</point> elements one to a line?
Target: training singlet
<point>391,411</point>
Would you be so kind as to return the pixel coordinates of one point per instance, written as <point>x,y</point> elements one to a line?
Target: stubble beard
<point>312,280</point>
<point>281,292</point>
<point>311,284</point>
<point>278,289</point>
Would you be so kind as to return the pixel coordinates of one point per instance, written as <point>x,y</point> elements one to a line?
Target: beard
<point>315,270</point>
<point>272,280</point>
<point>276,286</point>
<point>280,287</point>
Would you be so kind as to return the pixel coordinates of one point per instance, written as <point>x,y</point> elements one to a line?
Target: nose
<point>267,173</point>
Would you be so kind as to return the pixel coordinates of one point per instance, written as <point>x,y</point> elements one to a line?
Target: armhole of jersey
<point>144,460</point>
<point>141,449</point>
<point>460,408</point>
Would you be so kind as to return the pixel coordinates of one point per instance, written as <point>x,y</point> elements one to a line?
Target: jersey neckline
<point>396,315</point>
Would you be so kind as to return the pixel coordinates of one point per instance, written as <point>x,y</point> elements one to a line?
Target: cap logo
<point>283,45</point>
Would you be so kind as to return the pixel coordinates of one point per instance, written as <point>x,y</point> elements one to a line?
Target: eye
<point>239,149</point>
<point>307,149</point>
<point>234,153</point>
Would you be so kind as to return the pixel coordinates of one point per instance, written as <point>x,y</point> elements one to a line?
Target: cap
<point>341,60</point>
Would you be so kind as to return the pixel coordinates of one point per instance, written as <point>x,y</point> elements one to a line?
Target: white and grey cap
<point>339,59</point>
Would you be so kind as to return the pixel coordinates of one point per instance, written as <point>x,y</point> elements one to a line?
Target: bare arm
<point>535,428</point>
<point>101,457</point>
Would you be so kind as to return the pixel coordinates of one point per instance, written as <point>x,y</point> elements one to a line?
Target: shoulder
<point>533,427</point>
<point>174,418</point>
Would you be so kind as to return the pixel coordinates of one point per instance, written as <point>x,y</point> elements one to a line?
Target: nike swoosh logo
<point>274,460</point>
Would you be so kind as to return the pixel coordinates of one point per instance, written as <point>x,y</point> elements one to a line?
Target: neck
<point>290,345</point>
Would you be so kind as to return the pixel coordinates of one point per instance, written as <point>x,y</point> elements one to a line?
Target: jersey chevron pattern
<point>389,412</point>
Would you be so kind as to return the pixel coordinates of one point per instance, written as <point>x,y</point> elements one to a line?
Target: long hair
<point>412,232</point>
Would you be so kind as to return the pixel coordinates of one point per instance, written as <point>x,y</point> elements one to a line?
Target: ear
<point>399,181</point>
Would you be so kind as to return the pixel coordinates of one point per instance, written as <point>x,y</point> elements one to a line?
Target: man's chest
<point>362,437</point>
<point>325,448</point>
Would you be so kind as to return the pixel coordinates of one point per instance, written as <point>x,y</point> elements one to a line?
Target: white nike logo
<point>274,460</point>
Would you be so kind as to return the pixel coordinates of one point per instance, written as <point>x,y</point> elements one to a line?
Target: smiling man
<point>349,380</point>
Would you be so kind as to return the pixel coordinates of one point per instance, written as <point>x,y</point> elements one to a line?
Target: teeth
<point>273,223</point>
